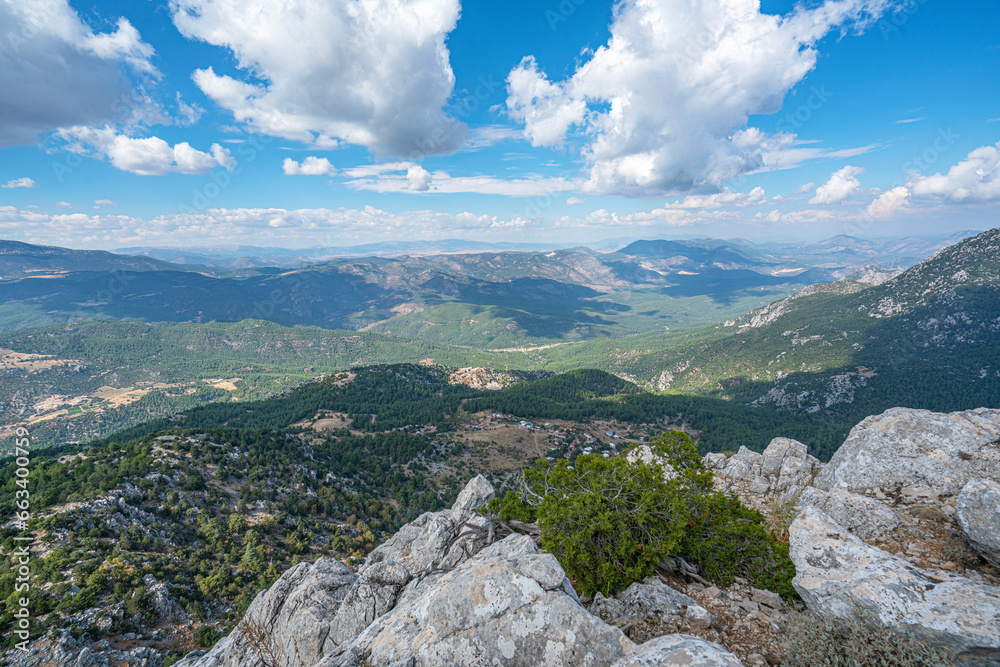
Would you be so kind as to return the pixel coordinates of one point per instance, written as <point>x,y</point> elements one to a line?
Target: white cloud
<point>418,179</point>
<point>842,184</point>
<point>375,74</point>
<point>311,166</point>
<point>369,170</point>
<point>188,114</point>
<point>573,201</point>
<point>98,203</point>
<point>314,227</point>
<point>150,156</point>
<point>725,198</point>
<point>806,188</point>
<point>782,152</point>
<point>904,121</point>
<point>489,135</point>
<point>65,204</point>
<point>408,177</point>
<point>663,106</point>
<point>975,179</point>
<point>887,204</point>
<point>55,71</point>
<point>19,183</point>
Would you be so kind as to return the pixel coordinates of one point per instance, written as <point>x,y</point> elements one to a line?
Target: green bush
<point>610,521</point>
<point>856,643</point>
<point>207,636</point>
<point>728,540</point>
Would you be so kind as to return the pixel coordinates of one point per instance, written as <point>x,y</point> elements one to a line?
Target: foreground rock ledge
<point>837,574</point>
<point>443,591</point>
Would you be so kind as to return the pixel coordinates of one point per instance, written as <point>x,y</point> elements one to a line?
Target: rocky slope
<point>901,524</point>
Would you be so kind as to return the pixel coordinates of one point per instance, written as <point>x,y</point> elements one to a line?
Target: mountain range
<point>832,352</point>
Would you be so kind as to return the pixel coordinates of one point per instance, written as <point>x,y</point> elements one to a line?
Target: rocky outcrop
<point>917,450</point>
<point>837,574</point>
<point>443,590</point>
<point>296,611</point>
<point>63,650</point>
<point>783,470</point>
<point>506,605</point>
<point>866,517</point>
<point>979,517</point>
<point>679,651</point>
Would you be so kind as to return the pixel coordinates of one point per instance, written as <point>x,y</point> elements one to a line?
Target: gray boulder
<point>679,651</point>
<point>917,449</point>
<point>505,605</point>
<point>642,600</point>
<point>783,470</point>
<point>866,517</point>
<point>837,574</point>
<point>439,540</point>
<point>979,517</point>
<point>297,612</point>
<point>744,465</point>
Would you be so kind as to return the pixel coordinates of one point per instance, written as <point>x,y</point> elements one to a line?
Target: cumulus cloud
<point>55,71</point>
<point>973,180</point>
<point>311,166</point>
<point>725,198</point>
<point>842,184</point>
<point>19,183</point>
<point>887,204</point>
<point>375,74</point>
<point>98,203</point>
<point>150,156</point>
<point>418,179</point>
<point>573,201</point>
<point>663,106</point>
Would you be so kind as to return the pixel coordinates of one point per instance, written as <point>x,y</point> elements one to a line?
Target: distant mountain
<point>927,338</point>
<point>493,300</point>
<point>681,255</point>
<point>20,260</point>
<point>238,257</point>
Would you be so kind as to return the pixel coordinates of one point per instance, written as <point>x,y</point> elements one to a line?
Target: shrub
<point>207,636</point>
<point>856,642</point>
<point>728,540</point>
<point>610,521</point>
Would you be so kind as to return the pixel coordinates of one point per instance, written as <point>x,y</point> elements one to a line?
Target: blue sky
<point>209,122</point>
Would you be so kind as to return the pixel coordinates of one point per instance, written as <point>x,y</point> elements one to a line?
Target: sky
<point>181,123</point>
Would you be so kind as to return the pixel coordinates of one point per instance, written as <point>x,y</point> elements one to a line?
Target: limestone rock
<point>917,448</point>
<point>505,605</point>
<point>979,517</point>
<point>679,651</point>
<point>439,540</point>
<point>644,454</point>
<point>783,470</point>
<point>698,617</point>
<point>475,494</point>
<point>297,610</point>
<point>373,593</point>
<point>866,517</point>
<point>642,601</point>
<point>837,573</point>
<point>743,465</point>
<point>778,450</point>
